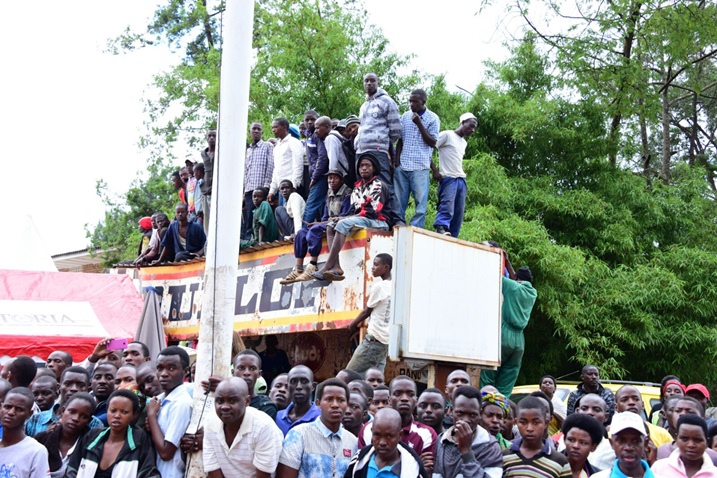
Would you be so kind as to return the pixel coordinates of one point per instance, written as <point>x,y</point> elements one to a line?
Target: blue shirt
<point>416,154</point>
<point>285,424</point>
<point>174,414</point>
<point>617,472</point>
<point>317,452</point>
<point>393,471</point>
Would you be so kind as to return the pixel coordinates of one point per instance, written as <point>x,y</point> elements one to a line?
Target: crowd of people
<point>324,176</point>
<point>125,414</point>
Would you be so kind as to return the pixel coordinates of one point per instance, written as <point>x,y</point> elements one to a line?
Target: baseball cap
<point>189,161</point>
<point>335,171</point>
<point>467,116</point>
<point>698,387</point>
<point>623,421</point>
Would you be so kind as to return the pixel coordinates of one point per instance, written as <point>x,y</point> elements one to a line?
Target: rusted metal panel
<point>263,306</point>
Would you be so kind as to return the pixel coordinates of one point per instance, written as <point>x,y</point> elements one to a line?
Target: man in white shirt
<point>288,158</point>
<point>248,443</point>
<point>452,190</point>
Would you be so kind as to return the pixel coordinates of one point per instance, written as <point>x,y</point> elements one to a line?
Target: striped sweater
<point>548,463</point>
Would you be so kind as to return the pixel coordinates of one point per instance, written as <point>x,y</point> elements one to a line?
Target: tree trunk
<point>666,146</point>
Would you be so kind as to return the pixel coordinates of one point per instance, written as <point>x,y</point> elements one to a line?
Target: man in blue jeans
<point>452,189</point>
<point>318,167</point>
<point>413,156</point>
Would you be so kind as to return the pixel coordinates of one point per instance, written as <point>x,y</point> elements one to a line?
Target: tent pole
<point>220,275</point>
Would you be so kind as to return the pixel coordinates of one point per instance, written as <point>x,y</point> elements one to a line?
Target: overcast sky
<point>72,114</point>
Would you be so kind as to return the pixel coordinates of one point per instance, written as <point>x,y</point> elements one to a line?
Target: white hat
<point>467,116</point>
<point>623,421</point>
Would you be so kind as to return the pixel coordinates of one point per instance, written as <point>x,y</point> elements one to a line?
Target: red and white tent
<point>45,311</point>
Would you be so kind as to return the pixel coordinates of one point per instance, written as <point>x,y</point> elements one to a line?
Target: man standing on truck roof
<point>591,384</point>
<point>206,186</point>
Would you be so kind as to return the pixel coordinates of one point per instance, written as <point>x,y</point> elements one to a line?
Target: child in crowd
<point>263,224</point>
<point>179,186</point>
<point>367,199</point>
<point>191,183</point>
<point>530,455</point>
<point>374,348</point>
<point>288,217</point>
<point>338,204</point>
<point>198,197</point>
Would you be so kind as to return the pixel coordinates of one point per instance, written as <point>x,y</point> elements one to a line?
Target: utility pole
<point>220,274</point>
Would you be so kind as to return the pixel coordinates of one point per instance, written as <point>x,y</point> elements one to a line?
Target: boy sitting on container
<point>288,217</point>
<point>263,224</point>
<point>372,351</point>
<point>367,199</point>
<point>338,204</point>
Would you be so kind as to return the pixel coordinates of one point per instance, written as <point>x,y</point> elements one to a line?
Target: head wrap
<point>146,223</point>
<point>673,382</point>
<point>495,399</point>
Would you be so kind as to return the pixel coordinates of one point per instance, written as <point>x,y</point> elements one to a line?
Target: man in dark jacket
<point>386,451</point>
<point>591,384</point>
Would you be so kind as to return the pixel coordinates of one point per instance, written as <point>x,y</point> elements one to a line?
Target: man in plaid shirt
<point>259,168</point>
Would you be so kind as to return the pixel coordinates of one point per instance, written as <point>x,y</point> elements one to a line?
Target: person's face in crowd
<point>286,188</point>
<point>628,399</point>
<point>381,399</point>
<point>323,129</point>
<point>126,376</point>
<point>692,442</point>
<point>5,369</point>
<point>301,384</point>
<point>547,386</point>
<point>374,377</point>
<point>192,371</point>
<point>351,130</point>
<point>699,397</point>
<point>333,404</point>
<point>230,402</point>
<point>302,129</point>
<point>673,389</point>
<point>668,411</point>
<point>403,396</point>
<point>531,424</point>
<point>279,393</point>
<point>468,127</point>
<point>491,418</point>
<point>594,406</point>
<point>385,436</point>
<point>278,130</point>
<point>713,444</point>
<point>181,213</point>
<point>103,381</point>
<point>591,378</point>
<point>416,103</point>
<point>133,355</point>
<point>120,413</point>
<point>212,138</point>
<point>16,409</point>
<point>685,407</point>
<point>56,364</point>
<point>629,447</point>
<point>247,368</point>
<point>370,84</point>
<point>508,421</point>
<point>335,182</point>
<point>467,410</point>
<point>170,372</point>
<point>431,409</point>
<point>190,169</point>
<point>355,412</point>
<point>184,174</point>
<point>154,221</point>
<point>257,197</point>
<point>72,383</point>
<point>379,268</point>
<point>177,182</point>
<point>456,379</point>
<point>198,173</point>
<point>309,123</point>
<point>148,382</point>
<point>45,394</point>
<point>256,132</point>
<point>578,445</point>
<point>366,170</point>
<point>76,416</point>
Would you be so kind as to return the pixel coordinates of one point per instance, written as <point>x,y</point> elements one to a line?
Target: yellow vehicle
<point>650,391</point>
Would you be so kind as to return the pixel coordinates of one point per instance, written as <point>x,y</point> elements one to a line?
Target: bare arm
<point>219,474</point>
<point>363,315</point>
<point>283,471</point>
<point>427,138</point>
<point>165,449</point>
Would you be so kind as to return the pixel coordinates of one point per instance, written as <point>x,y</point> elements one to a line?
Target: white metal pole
<point>220,275</point>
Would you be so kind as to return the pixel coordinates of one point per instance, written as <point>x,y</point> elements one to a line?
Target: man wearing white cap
<point>628,438</point>
<point>452,189</point>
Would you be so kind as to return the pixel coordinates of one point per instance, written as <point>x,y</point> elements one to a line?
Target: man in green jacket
<point>518,300</point>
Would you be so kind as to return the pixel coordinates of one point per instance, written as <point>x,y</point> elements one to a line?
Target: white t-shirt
<point>451,149</point>
<point>295,206</point>
<point>27,459</point>
<point>380,301</point>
